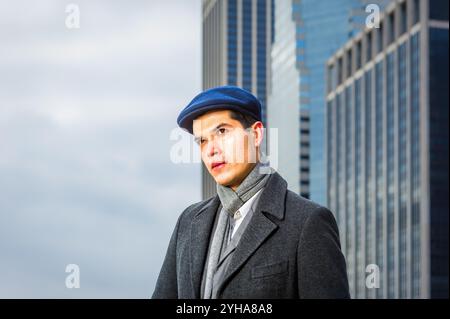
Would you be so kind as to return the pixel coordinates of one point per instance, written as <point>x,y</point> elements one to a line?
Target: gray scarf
<point>255,180</point>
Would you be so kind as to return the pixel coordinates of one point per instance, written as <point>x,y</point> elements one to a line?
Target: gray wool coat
<point>290,249</point>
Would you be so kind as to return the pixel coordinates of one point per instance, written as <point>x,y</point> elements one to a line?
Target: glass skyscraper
<point>307,33</point>
<point>237,38</point>
<point>387,151</point>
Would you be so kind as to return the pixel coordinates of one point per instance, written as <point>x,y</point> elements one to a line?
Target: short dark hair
<point>245,120</point>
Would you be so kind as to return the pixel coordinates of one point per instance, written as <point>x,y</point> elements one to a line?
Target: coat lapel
<point>200,236</point>
<point>260,226</point>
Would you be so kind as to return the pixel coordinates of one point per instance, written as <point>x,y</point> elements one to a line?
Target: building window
<point>380,38</point>
<point>438,10</point>
<point>369,47</point>
<point>349,63</point>
<point>304,119</point>
<point>304,132</point>
<point>358,55</point>
<point>330,84</point>
<point>403,20</point>
<point>391,28</point>
<point>416,11</point>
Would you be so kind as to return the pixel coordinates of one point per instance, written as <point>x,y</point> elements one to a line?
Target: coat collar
<point>271,201</point>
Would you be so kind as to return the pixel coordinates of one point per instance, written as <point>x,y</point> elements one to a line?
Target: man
<point>255,238</point>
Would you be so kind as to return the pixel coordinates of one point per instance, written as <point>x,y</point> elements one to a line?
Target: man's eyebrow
<point>198,138</point>
<point>220,126</point>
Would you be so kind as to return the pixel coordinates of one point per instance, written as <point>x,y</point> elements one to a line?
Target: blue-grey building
<point>387,151</point>
<point>307,33</point>
<point>237,39</point>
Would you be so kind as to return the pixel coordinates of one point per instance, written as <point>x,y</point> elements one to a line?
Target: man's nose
<point>212,148</point>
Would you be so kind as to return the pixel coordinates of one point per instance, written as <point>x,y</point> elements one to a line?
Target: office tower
<point>307,33</point>
<point>237,37</point>
<point>387,151</point>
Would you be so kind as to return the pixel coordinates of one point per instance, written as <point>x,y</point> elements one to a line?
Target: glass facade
<point>438,10</point>
<point>261,60</point>
<point>251,62</point>
<point>319,42</point>
<point>283,110</point>
<point>388,179</point>
<point>247,45</point>
<point>304,43</point>
<point>232,42</point>
<point>438,57</point>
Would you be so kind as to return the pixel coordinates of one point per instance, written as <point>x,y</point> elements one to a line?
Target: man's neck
<point>235,187</point>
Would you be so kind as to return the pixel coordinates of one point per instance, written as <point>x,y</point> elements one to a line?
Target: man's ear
<point>258,130</point>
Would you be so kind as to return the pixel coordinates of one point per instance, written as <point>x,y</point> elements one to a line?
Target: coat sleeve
<point>166,285</point>
<point>322,272</point>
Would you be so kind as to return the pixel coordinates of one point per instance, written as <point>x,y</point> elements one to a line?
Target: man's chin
<point>222,180</point>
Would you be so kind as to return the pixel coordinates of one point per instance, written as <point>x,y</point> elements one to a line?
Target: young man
<point>255,238</point>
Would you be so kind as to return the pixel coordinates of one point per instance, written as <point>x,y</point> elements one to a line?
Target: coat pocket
<point>269,270</point>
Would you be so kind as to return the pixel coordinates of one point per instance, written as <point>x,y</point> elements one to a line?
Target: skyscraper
<point>237,37</point>
<point>307,33</point>
<point>387,151</point>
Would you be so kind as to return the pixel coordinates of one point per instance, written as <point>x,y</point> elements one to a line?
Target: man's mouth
<point>217,165</point>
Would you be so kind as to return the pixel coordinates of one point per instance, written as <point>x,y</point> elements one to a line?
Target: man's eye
<point>221,131</point>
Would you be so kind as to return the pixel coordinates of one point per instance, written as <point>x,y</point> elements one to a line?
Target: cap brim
<point>186,122</point>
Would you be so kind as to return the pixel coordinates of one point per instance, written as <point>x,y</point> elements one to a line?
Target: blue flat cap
<point>220,98</point>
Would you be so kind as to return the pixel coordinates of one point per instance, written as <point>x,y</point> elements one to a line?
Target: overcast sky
<point>85,119</point>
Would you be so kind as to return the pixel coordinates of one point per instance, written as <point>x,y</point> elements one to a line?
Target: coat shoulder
<point>299,203</point>
<point>304,207</point>
<point>191,210</point>
<point>304,210</point>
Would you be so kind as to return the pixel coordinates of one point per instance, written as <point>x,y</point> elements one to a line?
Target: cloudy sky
<point>85,119</point>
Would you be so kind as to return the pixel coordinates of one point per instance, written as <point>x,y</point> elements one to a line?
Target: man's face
<point>228,150</point>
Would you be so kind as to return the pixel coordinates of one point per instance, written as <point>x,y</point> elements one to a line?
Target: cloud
<point>85,118</point>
